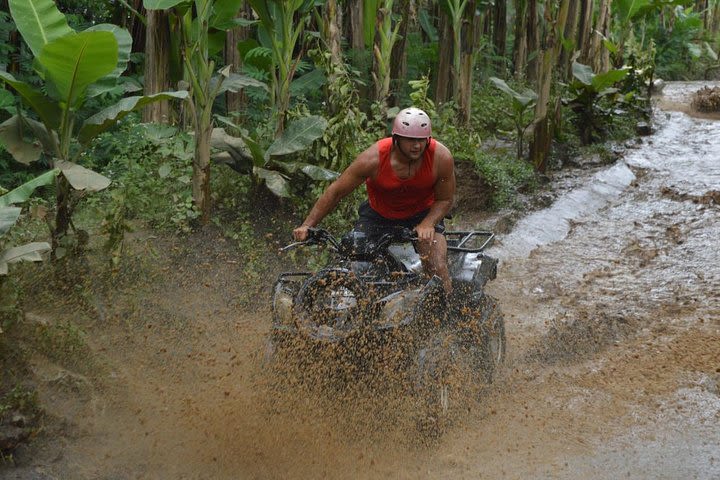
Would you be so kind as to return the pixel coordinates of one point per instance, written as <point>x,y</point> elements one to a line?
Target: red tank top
<point>395,198</point>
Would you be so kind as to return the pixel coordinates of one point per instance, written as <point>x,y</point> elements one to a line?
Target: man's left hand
<point>425,233</point>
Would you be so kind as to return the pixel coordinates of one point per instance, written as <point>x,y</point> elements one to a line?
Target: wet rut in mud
<point>612,305</point>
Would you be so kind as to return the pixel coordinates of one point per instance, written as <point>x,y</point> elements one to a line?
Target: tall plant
<point>385,37</point>
<point>586,92</point>
<point>522,102</point>
<point>74,66</point>
<point>282,22</point>
<point>455,10</point>
<point>194,25</point>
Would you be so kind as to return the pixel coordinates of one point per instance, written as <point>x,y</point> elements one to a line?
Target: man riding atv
<point>410,181</point>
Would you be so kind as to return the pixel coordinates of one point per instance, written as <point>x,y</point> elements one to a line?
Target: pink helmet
<point>412,122</point>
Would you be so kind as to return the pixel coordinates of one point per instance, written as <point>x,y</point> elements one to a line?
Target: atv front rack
<point>469,242</point>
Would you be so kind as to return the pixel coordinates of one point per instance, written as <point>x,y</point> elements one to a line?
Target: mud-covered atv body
<point>373,292</point>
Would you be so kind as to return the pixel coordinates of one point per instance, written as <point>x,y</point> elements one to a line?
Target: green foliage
<point>151,169</point>
<point>421,58</point>
<point>588,96</point>
<point>522,104</point>
<point>419,96</point>
<point>74,66</point>
<point>505,174</point>
<point>63,342</point>
<point>9,215</point>
<point>385,36</point>
<point>115,225</point>
<point>490,107</point>
<point>344,135</point>
<point>282,24</point>
<point>276,164</point>
<point>19,399</point>
<point>674,42</point>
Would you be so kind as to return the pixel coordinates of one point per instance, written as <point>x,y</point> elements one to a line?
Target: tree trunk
<point>13,65</point>
<point>570,34</point>
<point>443,87</point>
<point>201,172</point>
<point>715,22</point>
<point>137,30</point>
<point>62,213</point>
<point>398,61</point>
<point>542,125</point>
<point>521,39</point>
<point>500,34</point>
<point>235,101</point>
<point>332,18</point>
<point>584,32</point>
<point>467,47</point>
<point>533,42</point>
<point>357,34</point>
<point>157,66</point>
<point>598,53</point>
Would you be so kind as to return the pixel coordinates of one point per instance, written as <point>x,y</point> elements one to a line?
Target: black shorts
<point>373,224</point>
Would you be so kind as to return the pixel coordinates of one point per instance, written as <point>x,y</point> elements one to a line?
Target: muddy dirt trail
<point>612,304</point>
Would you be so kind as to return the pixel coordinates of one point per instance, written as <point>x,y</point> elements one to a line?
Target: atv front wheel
<point>330,305</point>
<point>437,382</point>
<point>492,328</point>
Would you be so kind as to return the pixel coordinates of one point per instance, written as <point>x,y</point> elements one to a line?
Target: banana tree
<point>585,94</point>
<point>521,103</point>
<point>74,66</point>
<point>272,165</point>
<point>385,37</point>
<point>195,26</point>
<point>455,10</point>
<point>282,22</point>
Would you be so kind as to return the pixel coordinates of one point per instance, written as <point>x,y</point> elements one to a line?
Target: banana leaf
<point>24,191</point>
<point>308,83</point>
<point>224,12</point>
<point>319,173</point>
<point>73,62</point>
<point>8,217</point>
<point>39,22</point>
<point>47,109</point>
<point>105,119</point>
<point>13,139</point>
<point>7,99</point>
<point>298,135</point>
<point>124,41</point>
<point>81,178</point>
<point>162,4</point>
<point>29,252</point>
<point>274,180</point>
<point>234,82</point>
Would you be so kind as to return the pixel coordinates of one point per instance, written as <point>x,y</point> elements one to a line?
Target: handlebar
<point>464,241</point>
<point>316,236</point>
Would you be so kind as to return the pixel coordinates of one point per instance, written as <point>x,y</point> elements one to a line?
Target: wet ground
<point>612,304</point>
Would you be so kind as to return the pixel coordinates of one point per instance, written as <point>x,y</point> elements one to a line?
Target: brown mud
<point>613,369</point>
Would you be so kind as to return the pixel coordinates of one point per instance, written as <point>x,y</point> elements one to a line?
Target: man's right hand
<point>301,233</point>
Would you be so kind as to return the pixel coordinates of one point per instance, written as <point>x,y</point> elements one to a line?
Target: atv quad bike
<point>373,289</point>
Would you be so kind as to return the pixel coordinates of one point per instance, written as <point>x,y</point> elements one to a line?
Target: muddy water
<point>629,262</point>
<point>612,305</point>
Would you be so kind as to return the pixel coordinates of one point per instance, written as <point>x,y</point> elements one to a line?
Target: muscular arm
<point>360,169</point>
<point>444,192</point>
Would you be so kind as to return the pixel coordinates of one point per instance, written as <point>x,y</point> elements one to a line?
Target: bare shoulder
<point>443,157</point>
<point>366,163</point>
